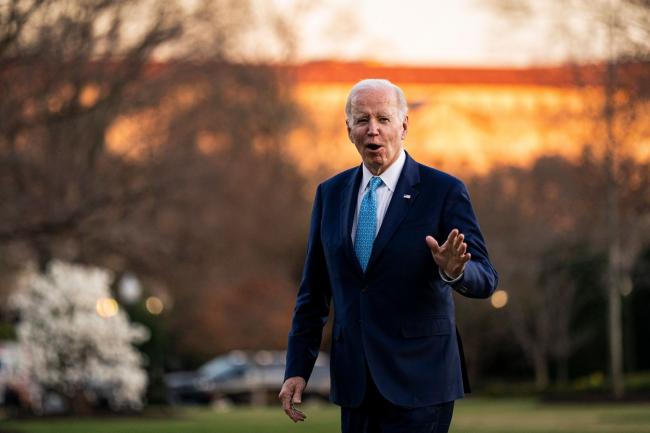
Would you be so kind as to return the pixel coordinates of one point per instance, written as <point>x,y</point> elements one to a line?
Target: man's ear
<point>405,126</point>
<point>347,125</point>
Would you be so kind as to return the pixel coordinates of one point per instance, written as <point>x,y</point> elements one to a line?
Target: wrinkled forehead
<point>374,100</point>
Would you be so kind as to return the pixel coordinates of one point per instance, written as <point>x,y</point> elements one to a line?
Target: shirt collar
<point>390,176</point>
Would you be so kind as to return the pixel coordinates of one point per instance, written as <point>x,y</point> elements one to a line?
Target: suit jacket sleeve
<point>312,302</point>
<point>480,278</point>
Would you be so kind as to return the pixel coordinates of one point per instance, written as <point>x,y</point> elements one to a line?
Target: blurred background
<point>158,160</point>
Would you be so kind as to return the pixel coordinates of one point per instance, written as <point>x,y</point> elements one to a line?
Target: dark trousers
<point>378,415</point>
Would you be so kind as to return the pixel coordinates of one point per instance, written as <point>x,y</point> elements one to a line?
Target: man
<point>396,360</point>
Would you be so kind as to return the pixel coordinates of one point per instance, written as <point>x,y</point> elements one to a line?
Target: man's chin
<point>375,164</point>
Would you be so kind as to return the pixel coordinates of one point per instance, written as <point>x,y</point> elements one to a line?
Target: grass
<point>471,416</point>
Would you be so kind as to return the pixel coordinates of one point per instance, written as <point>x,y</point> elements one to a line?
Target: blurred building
<point>460,118</point>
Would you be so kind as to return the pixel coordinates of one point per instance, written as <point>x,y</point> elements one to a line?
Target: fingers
<point>462,259</point>
<point>285,398</point>
<point>432,243</point>
<point>459,257</point>
<point>290,394</point>
<point>453,235</point>
<point>459,246</point>
<point>297,395</point>
<point>286,402</point>
<point>297,415</point>
<point>459,250</point>
<point>455,243</point>
<point>458,242</point>
<point>451,256</point>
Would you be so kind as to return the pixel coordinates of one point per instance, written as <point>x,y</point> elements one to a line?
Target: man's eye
<point>384,119</point>
<point>362,120</point>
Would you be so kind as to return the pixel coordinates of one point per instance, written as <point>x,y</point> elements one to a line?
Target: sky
<point>417,32</point>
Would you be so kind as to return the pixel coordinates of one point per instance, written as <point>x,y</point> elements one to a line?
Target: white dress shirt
<point>383,194</point>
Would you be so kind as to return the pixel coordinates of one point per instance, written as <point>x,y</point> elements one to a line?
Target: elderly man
<point>375,250</point>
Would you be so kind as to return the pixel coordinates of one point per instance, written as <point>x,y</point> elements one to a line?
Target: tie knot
<point>375,182</point>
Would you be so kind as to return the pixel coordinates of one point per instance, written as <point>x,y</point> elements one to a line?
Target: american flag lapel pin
<point>407,196</point>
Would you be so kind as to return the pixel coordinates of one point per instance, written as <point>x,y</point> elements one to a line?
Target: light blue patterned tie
<point>367,223</point>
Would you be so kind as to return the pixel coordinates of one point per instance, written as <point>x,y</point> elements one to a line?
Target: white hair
<point>377,83</point>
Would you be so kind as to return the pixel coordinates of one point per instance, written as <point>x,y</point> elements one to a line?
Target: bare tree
<point>131,139</point>
<point>532,217</point>
<point>615,35</point>
<point>532,208</point>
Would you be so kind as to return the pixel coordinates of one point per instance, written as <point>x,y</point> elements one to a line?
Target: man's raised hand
<point>290,395</point>
<point>451,256</point>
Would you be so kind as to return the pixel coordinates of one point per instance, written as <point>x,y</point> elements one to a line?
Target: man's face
<point>376,128</point>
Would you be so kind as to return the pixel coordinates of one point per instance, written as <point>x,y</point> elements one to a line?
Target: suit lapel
<point>403,198</point>
<point>349,206</point>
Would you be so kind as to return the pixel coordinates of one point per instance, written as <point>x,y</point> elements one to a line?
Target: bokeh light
<point>154,305</point>
<point>107,307</point>
<point>499,299</point>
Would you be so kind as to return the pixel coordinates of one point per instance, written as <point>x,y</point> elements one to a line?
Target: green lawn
<point>471,416</point>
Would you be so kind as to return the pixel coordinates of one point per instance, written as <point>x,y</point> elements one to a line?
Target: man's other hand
<point>451,256</point>
<point>290,395</point>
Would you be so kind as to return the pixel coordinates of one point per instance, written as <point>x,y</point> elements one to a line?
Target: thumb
<point>432,244</point>
<point>297,395</point>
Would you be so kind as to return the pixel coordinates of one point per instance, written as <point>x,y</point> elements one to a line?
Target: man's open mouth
<point>373,146</point>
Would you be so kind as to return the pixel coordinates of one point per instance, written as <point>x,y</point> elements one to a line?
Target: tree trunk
<point>563,371</point>
<point>79,405</point>
<point>614,249</point>
<point>541,371</point>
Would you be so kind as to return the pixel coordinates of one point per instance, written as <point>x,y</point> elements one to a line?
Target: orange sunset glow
<point>461,119</point>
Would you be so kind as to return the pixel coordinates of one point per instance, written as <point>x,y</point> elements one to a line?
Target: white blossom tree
<point>70,348</point>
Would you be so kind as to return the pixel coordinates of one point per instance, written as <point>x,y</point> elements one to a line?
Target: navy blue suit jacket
<point>398,317</point>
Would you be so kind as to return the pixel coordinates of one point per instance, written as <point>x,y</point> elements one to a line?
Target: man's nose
<point>373,127</point>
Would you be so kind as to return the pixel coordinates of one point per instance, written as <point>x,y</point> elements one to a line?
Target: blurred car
<point>243,377</point>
